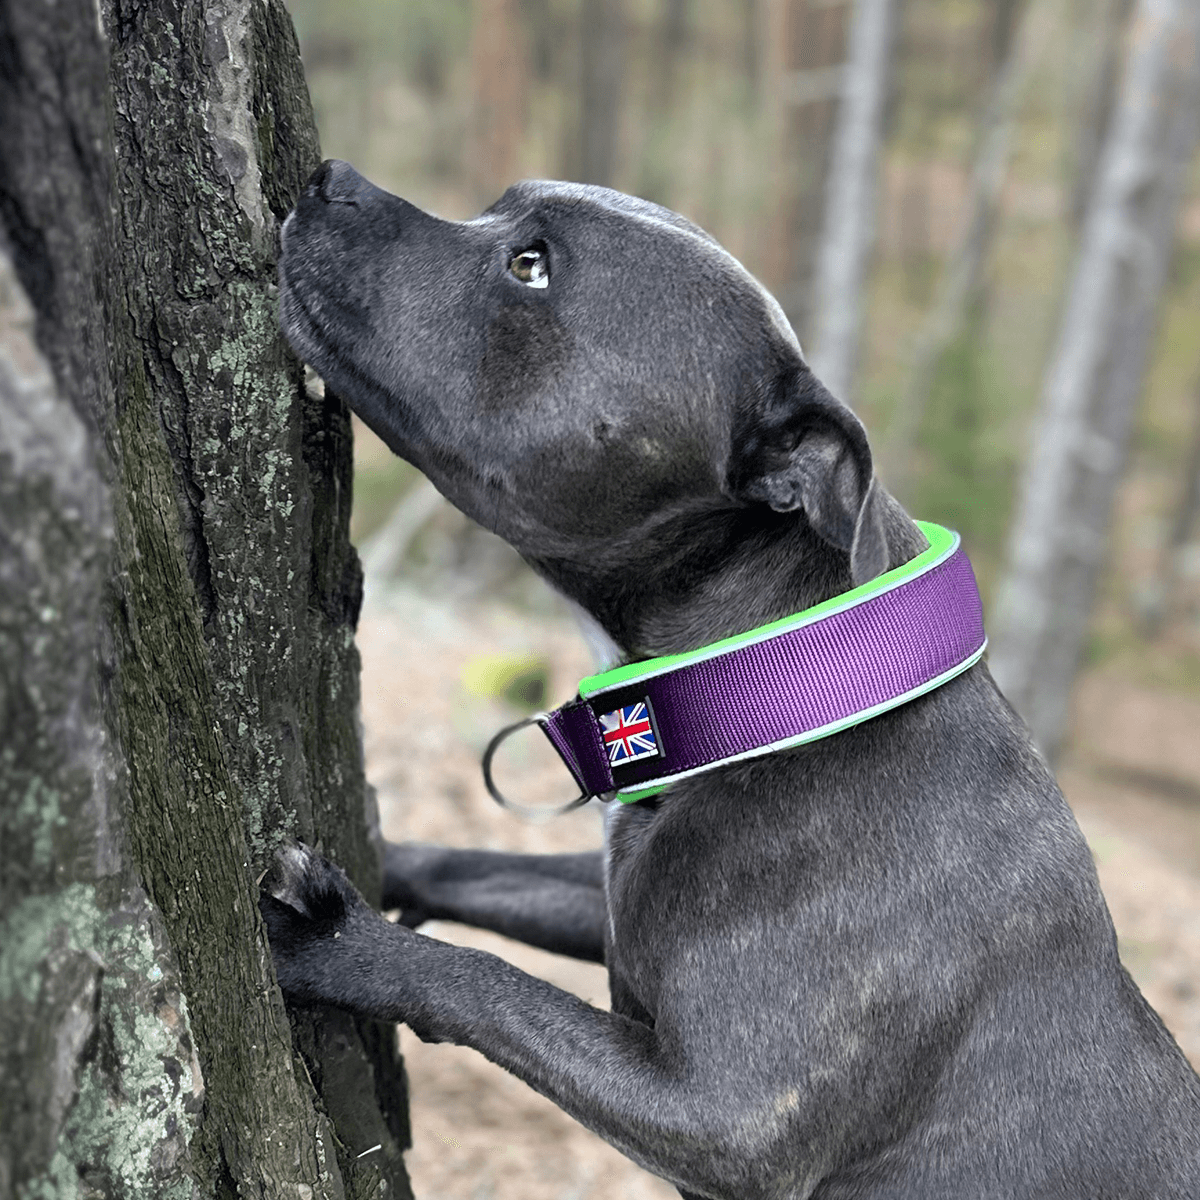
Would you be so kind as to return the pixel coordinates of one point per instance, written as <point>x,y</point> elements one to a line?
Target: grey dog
<point>875,966</point>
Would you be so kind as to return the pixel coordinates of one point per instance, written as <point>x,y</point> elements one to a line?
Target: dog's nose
<point>336,182</point>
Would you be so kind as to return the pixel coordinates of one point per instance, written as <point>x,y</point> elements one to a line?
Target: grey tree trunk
<point>1095,374</point>
<point>1160,600</point>
<point>1106,34</point>
<point>803,47</point>
<point>180,683</point>
<point>55,807</point>
<point>964,270</point>
<point>849,227</point>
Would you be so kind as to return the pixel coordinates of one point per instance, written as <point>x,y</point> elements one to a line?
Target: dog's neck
<point>767,574</point>
<point>725,572</point>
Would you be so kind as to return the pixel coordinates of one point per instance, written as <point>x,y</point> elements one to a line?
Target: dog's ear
<point>795,445</point>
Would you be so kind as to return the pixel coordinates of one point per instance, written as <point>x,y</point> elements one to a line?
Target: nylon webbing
<point>790,682</point>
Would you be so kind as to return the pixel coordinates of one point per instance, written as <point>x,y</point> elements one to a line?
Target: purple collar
<point>634,730</point>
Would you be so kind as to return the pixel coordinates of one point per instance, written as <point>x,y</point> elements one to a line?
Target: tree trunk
<point>1160,600</point>
<point>803,48</point>
<point>498,76</point>
<point>55,817</point>
<point>1096,104</point>
<point>962,276</point>
<point>671,37</point>
<point>1095,374</point>
<point>656,166</point>
<point>146,159</point>
<point>1000,36</point>
<point>849,227</point>
<point>603,38</point>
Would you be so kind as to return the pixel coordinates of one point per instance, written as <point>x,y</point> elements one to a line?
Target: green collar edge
<point>942,544</point>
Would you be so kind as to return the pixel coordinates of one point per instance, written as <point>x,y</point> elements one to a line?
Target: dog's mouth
<point>376,404</point>
<point>299,323</point>
<point>308,308</point>
<point>295,319</point>
<point>302,330</point>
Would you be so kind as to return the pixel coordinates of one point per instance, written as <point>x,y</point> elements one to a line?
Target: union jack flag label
<point>629,734</point>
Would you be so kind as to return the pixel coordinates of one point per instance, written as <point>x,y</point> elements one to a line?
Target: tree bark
<point>849,228</point>
<point>147,156</point>
<point>55,817</point>
<point>1095,374</point>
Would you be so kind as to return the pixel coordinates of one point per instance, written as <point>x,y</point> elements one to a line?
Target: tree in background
<point>1160,597</point>
<point>208,589</point>
<point>498,79</point>
<point>803,45</point>
<point>848,232</point>
<point>670,39</point>
<point>1110,20</point>
<point>1094,378</point>
<point>962,277</point>
<point>604,40</point>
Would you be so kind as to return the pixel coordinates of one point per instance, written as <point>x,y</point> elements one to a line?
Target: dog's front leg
<point>552,901</point>
<point>610,1073</point>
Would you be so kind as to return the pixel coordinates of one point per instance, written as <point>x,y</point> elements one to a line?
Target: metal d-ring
<point>495,792</point>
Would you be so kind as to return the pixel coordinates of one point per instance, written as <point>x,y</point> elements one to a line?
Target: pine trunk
<point>964,270</point>
<point>1094,377</point>
<point>848,234</point>
<point>179,656</point>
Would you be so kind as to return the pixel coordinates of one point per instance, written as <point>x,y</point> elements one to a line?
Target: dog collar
<point>634,730</point>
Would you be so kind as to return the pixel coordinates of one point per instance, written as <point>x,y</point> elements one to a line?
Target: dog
<point>875,966</point>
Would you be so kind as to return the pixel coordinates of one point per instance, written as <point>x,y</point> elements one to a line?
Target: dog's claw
<point>288,879</point>
<point>312,885</point>
<point>306,903</point>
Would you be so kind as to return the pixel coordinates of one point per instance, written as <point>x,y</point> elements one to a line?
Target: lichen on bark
<point>98,1090</point>
<point>144,168</point>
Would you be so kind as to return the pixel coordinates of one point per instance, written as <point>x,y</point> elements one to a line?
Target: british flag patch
<point>629,734</point>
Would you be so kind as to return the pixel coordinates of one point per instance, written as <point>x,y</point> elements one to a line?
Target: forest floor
<point>1132,777</point>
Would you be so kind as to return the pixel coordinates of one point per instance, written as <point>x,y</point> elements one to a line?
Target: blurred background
<point>983,220</point>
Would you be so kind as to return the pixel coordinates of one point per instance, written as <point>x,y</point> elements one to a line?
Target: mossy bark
<point>206,591</point>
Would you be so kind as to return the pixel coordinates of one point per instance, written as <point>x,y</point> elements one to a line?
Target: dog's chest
<point>634,925</point>
<point>625,828</point>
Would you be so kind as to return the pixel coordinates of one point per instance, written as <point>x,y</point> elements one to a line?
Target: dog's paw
<point>316,920</point>
<point>408,870</point>
<point>305,881</point>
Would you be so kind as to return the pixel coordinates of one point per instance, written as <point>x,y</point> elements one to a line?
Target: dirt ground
<point>1133,779</point>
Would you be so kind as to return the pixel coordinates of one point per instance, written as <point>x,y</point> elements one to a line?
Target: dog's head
<point>574,368</point>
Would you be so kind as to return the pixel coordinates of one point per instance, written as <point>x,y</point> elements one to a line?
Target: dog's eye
<point>531,267</point>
